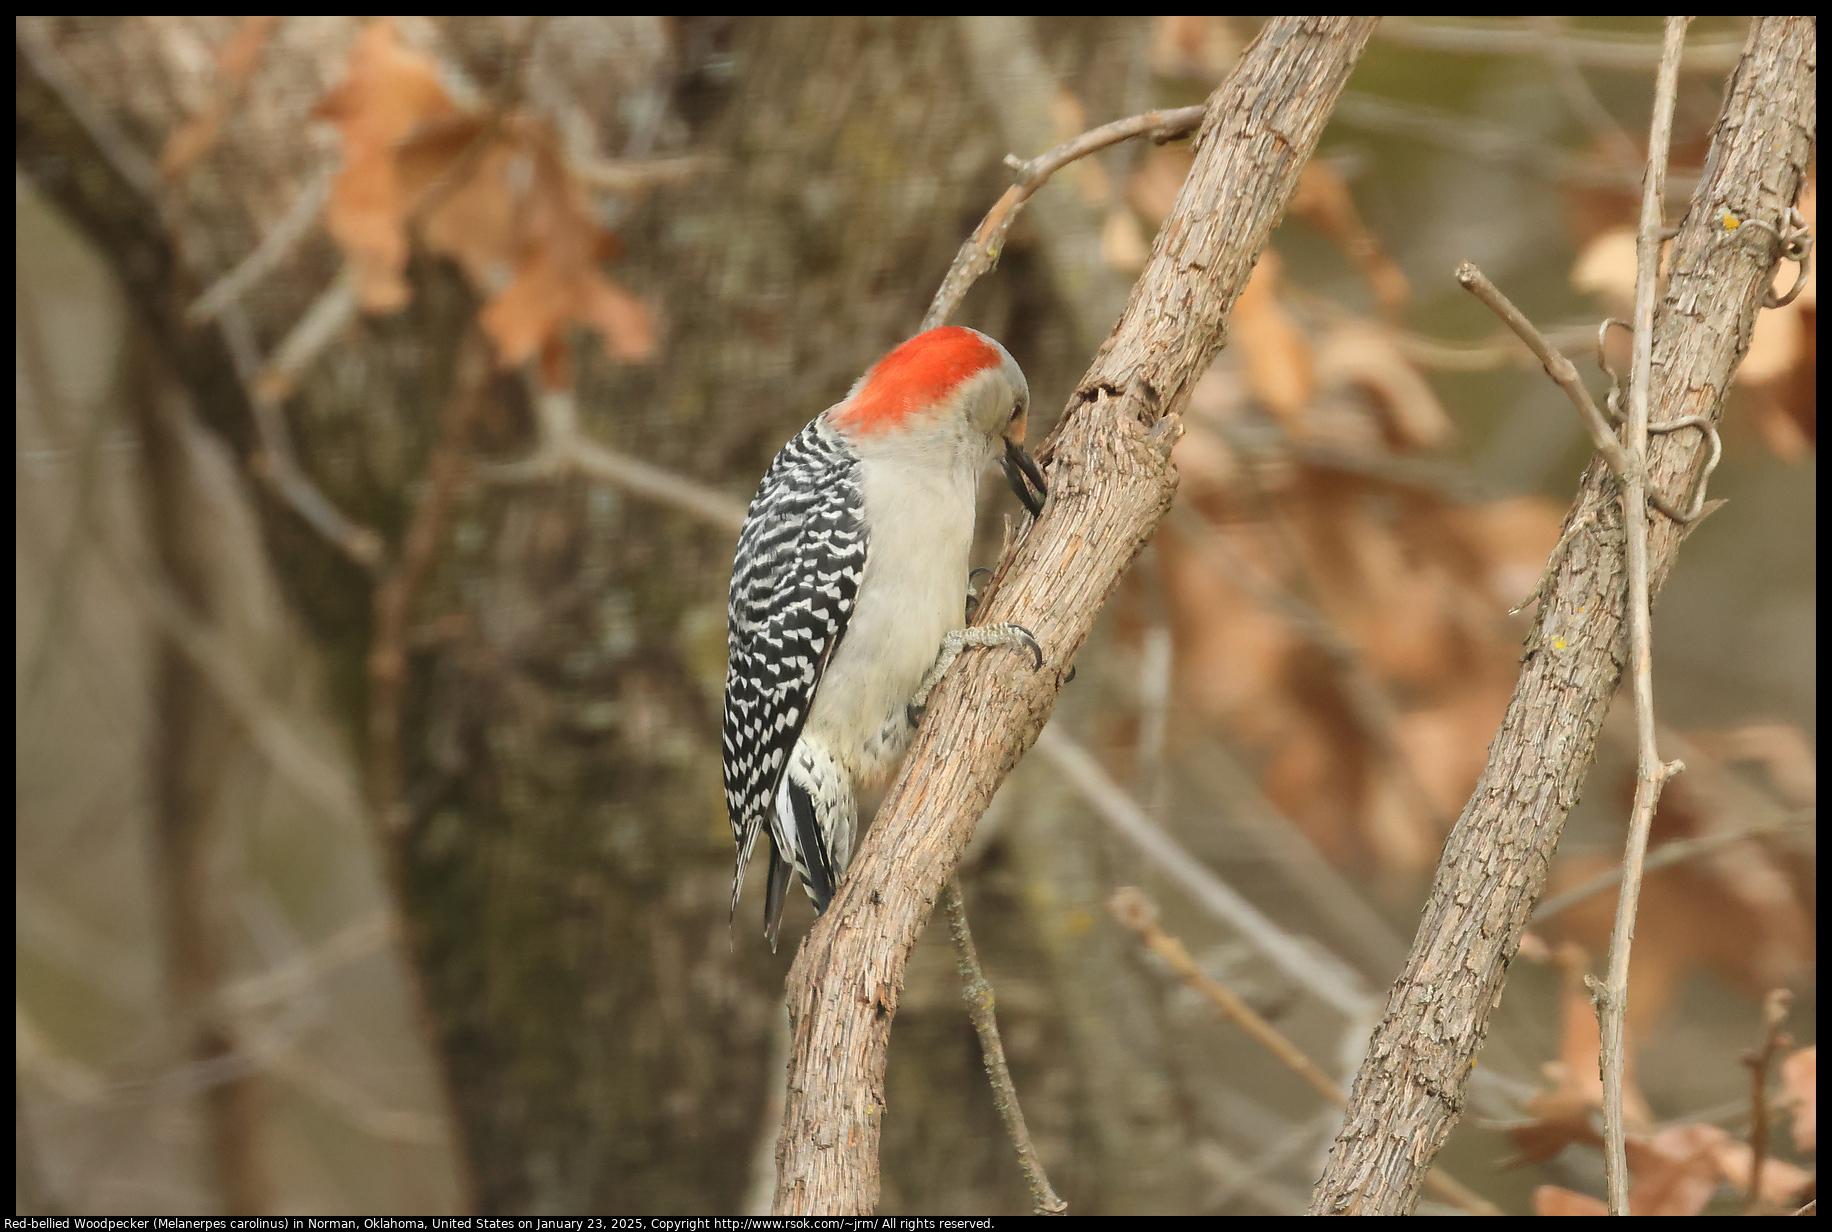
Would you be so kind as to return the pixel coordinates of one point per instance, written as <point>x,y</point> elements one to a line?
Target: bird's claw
<point>1030,643</point>
<point>973,592</point>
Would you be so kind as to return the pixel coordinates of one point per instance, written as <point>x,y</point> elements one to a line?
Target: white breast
<point>920,514</point>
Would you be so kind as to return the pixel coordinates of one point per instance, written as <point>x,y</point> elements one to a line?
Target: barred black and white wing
<point>794,582</point>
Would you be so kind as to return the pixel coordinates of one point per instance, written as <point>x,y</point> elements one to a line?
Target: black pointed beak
<point>1025,479</point>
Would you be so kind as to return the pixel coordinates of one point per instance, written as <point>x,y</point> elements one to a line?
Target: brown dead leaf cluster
<point>1335,607</point>
<point>489,190</point>
<point>1743,910</point>
<point>1199,49</point>
<point>1343,614</point>
<point>1676,1172</point>
<point>1676,1169</point>
<point>1570,1108</point>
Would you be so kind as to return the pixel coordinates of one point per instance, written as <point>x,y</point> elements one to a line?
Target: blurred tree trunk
<point>194,740</point>
<point>566,856</point>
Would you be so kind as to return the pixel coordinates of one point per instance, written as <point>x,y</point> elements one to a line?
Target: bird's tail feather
<point>775,893</point>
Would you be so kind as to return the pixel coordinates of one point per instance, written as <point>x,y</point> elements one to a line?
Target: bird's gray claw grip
<point>1030,643</point>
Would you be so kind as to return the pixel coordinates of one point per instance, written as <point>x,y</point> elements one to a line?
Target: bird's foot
<point>1013,635</point>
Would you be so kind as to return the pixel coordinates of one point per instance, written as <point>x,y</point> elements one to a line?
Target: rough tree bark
<point>1111,481</point>
<point>1409,1091</point>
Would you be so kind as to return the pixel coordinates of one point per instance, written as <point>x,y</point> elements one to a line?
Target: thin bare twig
<point>1670,853</point>
<point>1565,375</point>
<point>1594,48</point>
<point>306,967</point>
<point>317,327</point>
<point>1131,908</point>
<point>1416,1070</point>
<point>1774,1041</point>
<point>113,144</point>
<point>1478,139</point>
<point>1795,239</point>
<point>1612,408</point>
<point>1157,661</point>
<point>978,994</point>
<point>633,177</point>
<point>1563,372</point>
<point>981,251</point>
<point>347,1099</point>
<point>393,600</point>
<point>1699,506</point>
<point>1319,971</point>
<point>36,378</point>
<point>1652,773</point>
<point>563,448</point>
<point>1487,356</point>
<point>274,248</point>
<point>274,462</point>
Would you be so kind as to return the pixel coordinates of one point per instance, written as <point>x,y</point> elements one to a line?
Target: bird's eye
<point>1017,409</point>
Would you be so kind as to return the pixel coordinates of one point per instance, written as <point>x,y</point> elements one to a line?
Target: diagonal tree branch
<point>1409,1093</point>
<point>1111,483</point>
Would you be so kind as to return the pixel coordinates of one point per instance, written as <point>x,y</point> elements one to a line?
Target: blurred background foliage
<point>371,849</point>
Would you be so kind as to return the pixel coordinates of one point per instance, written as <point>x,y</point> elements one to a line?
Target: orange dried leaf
<point>1543,1137</point>
<point>624,321</point>
<point>1367,356</point>
<point>1122,245</point>
<point>1280,370</point>
<point>240,53</point>
<point>1606,269</point>
<point>556,277</point>
<point>1800,1079</point>
<point>388,91</point>
<point>1324,199</point>
<point>1675,1170</point>
<point>1204,48</point>
<point>475,222</point>
<point>1152,187</point>
<point>1553,1200</point>
<point>190,141</point>
<point>1781,1180</point>
<point>1569,1111</point>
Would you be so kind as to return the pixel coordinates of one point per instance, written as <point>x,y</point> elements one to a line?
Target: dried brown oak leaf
<point>498,199</point>
<point>389,90</point>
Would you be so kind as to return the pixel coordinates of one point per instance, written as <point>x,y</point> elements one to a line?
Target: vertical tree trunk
<point>193,740</point>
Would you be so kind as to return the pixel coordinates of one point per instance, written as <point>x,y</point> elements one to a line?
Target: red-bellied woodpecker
<point>848,591</point>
